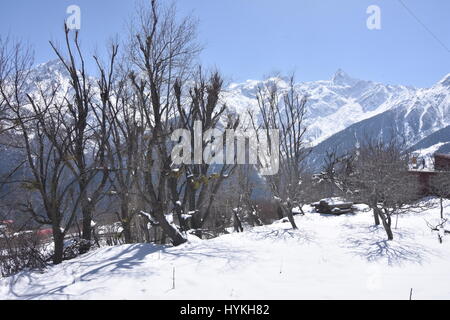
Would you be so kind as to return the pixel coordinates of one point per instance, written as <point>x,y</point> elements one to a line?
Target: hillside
<point>341,101</point>
<point>344,111</point>
<point>329,257</point>
<point>438,141</point>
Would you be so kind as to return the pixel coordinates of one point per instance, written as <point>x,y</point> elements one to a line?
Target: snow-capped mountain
<point>410,119</point>
<point>340,101</point>
<point>46,75</point>
<point>341,111</point>
<point>52,70</point>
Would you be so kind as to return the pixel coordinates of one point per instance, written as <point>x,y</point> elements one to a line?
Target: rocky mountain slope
<point>410,120</point>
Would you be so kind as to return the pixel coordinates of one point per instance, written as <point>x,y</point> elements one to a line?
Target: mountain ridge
<point>340,110</point>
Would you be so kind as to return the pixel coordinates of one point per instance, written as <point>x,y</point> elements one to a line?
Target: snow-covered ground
<point>329,257</point>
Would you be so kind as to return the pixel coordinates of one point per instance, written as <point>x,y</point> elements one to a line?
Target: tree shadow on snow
<point>112,265</point>
<point>87,268</point>
<point>299,236</point>
<point>232,256</point>
<point>370,242</point>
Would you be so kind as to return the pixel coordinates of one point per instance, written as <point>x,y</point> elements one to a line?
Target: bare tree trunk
<point>376,215</point>
<point>388,229</point>
<point>177,203</point>
<point>237,222</point>
<point>280,212</point>
<point>145,228</point>
<point>301,210</point>
<point>86,211</point>
<point>176,237</point>
<point>58,240</point>
<point>290,217</point>
<point>127,232</point>
<point>86,245</point>
<point>386,221</point>
<point>87,226</point>
<point>125,222</point>
<point>86,233</point>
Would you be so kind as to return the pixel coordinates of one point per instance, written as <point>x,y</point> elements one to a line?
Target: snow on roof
<point>334,201</point>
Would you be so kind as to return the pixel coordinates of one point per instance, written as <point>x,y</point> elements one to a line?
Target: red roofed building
<point>6,226</point>
<point>44,232</point>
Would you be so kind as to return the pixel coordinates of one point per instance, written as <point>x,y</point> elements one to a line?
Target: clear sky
<point>247,39</point>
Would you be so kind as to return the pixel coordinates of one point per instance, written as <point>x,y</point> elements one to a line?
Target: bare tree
<point>43,139</point>
<point>285,112</point>
<point>86,126</point>
<point>440,228</point>
<point>3,72</point>
<point>202,180</point>
<point>127,126</point>
<point>440,187</point>
<point>48,127</point>
<point>16,60</point>
<point>246,185</point>
<point>377,174</point>
<point>161,50</point>
<point>336,171</point>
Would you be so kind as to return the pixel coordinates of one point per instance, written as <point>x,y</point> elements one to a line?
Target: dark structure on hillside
<point>330,206</point>
<point>424,177</point>
<point>442,162</point>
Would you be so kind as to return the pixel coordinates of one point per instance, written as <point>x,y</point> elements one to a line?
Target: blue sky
<point>247,39</point>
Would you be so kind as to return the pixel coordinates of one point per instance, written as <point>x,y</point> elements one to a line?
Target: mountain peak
<point>445,81</point>
<point>340,77</point>
<point>44,70</point>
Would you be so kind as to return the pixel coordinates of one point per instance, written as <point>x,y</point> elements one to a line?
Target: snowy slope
<point>327,258</point>
<point>438,141</point>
